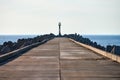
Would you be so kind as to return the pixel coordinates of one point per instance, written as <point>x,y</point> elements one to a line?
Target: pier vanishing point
<point>60,59</point>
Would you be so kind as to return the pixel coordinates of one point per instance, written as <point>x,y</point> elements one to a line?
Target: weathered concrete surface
<point>101,52</point>
<point>60,59</point>
<point>18,52</point>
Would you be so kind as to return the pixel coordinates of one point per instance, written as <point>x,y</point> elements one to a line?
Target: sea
<point>14,38</point>
<point>103,40</point>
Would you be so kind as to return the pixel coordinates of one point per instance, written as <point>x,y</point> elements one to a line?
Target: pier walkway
<point>60,59</point>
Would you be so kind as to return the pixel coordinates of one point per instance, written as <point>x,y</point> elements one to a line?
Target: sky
<point>76,16</point>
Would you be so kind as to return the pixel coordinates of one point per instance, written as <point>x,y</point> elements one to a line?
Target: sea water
<point>105,40</point>
<point>13,38</point>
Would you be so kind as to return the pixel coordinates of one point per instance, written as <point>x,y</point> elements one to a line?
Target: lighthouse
<point>59,24</point>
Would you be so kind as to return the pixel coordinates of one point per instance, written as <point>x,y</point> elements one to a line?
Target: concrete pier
<point>60,59</point>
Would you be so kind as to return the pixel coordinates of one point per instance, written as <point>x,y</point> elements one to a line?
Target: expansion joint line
<point>59,60</point>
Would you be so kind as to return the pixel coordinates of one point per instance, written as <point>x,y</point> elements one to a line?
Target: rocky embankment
<point>11,46</point>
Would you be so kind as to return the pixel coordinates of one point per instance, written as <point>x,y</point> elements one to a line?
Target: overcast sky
<point>76,16</point>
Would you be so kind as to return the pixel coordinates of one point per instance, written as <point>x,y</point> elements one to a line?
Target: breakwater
<point>11,46</point>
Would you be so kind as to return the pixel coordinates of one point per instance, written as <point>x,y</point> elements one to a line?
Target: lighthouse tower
<point>59,24</point>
